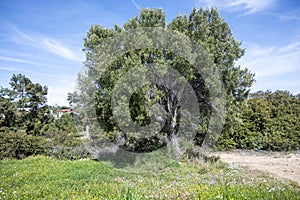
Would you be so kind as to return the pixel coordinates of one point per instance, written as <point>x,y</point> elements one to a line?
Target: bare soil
<point>280,164</point>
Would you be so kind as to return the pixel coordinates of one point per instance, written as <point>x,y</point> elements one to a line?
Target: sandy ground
<point>282,165</point>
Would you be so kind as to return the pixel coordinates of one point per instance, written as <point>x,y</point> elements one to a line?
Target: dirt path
<point>282,165</point>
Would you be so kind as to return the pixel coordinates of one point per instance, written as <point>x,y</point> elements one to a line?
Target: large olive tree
<point>206,28</point>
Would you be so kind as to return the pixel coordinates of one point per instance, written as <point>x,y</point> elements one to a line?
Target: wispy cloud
<point>7,68</point>
<point>293,15</point>
<point>45,43</point>
<point>247,6</point>
<point>12,59</point>
<point>26,61</point>
<point>59,49</point>
<point>271,60</point>
<point>275,67</point>
<point>29,72</point>
<point>136,5</point>
<point>14,69</point>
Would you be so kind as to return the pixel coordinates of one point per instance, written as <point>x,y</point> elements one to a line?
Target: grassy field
<point>46,178</point>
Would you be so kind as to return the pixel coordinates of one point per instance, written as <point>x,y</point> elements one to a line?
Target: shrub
<point>17,144</point>
<point>269,121</point>
<point>70,153</point>
<point>66,145</point>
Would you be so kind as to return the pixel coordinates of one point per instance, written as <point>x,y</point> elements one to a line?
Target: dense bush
<point>57,138</point>
<point>269,121</point>
<point>17,144</point>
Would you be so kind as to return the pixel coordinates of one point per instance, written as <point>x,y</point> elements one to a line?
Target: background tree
<point>23,105</point>
<point>27,94</point>
<point>7,113</point>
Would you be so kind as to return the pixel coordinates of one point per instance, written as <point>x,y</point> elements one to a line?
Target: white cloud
<point>14,69</point>
<point>292,15</point>
<point>25,61</point>
<point>248,6</point>
<point>45,43</point>
<point>136,5</point>
<point>270,60</point>
<point>7,68</point>
<point>289,17</point>
<point>12,59</point>
<point>275,67</point>
<point>58,49</point>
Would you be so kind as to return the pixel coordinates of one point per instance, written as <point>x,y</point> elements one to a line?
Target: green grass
<point>46,178</point>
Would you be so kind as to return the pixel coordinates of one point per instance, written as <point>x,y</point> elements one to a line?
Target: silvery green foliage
<point>155,85</point>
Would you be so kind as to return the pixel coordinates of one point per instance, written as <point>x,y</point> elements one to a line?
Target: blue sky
<point>43,39</point>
